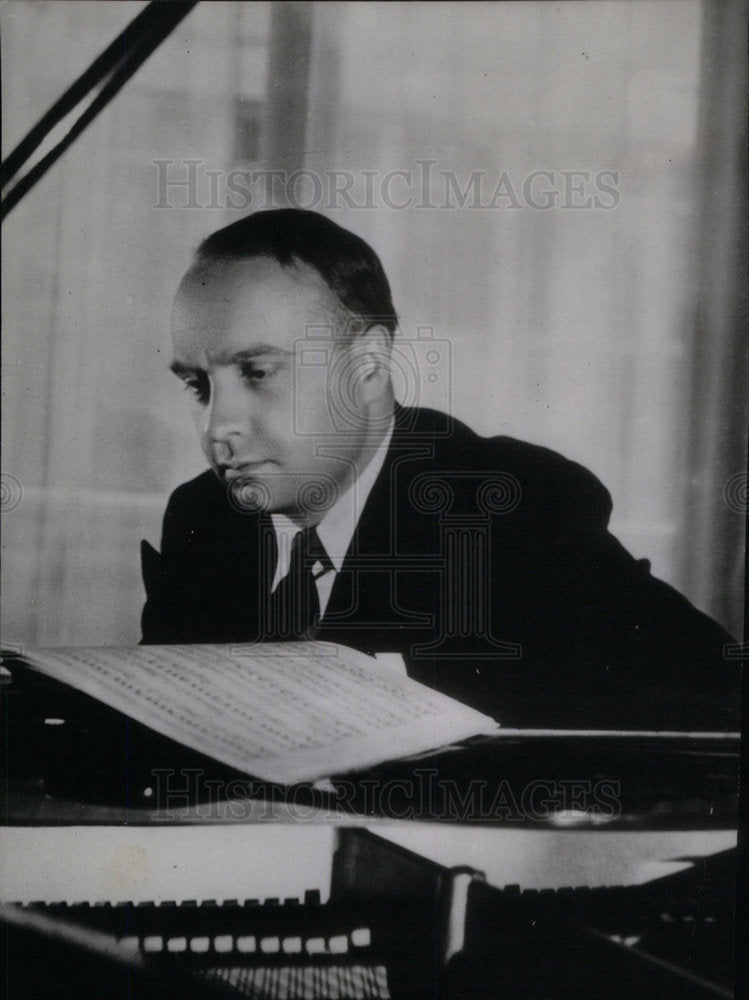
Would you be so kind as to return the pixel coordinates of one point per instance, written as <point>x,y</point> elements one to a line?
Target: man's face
<point>262,418</point>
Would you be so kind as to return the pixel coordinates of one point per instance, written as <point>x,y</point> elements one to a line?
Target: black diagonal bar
<point>120,61</point>
<point>95,73</point>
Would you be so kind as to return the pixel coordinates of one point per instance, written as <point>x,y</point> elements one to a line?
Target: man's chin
<point>249,495</point>
<point>276,491</point>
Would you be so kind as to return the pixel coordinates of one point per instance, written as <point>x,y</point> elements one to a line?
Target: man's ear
<point>361,375</point>
<point>372,351</point>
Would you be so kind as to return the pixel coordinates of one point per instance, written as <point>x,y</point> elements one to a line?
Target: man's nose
<point>228,416</point>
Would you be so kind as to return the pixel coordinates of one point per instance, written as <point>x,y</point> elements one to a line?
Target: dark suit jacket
<point>488,564</point>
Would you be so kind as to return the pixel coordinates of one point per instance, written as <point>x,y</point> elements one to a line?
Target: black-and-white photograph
<point>374,489</point>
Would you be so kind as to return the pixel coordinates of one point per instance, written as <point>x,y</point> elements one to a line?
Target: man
<point>332,512</point>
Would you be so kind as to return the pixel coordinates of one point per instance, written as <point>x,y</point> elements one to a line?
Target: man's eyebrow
<point>182,370</point>
<point>247,354</point>
<point>230,358</point>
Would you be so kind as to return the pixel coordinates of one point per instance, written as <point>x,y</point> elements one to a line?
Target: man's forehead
<point>223,285</point>
<point>233,304</point>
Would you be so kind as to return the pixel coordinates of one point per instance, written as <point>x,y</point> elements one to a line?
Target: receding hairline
<point>222,267</point>
<point>229,267</point>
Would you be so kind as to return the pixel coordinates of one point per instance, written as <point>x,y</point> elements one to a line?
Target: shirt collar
<point>337,528</point>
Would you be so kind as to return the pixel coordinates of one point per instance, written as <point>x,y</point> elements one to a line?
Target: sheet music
<point>285,712</point>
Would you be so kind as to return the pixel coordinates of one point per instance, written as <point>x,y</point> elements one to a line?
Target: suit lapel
<point>388,530</point>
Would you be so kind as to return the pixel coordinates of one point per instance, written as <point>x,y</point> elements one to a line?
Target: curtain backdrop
<point>559,257</point>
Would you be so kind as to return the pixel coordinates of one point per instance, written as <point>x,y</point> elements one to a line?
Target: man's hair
<point>349,267</point>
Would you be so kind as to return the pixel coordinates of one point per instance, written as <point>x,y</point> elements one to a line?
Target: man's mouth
<point>246,470</point>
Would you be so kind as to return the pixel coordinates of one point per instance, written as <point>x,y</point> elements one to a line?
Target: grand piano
<point>511,866</point>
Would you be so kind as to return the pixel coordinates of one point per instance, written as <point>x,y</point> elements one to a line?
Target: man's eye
<point>257,373</point>
<point>198,387</point>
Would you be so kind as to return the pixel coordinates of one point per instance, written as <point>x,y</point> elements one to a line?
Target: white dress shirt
<point>336,529</point>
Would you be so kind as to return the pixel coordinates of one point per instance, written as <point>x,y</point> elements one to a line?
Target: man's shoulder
<point>204,487</point>
<point>534,471</point>
<point>458,444</point>
<point>204,500</point>
<point>202,513</point>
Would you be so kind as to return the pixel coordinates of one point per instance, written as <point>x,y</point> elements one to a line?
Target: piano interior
<point>390,923</point>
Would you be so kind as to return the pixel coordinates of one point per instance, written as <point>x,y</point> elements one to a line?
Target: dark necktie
<point>294,606</point>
